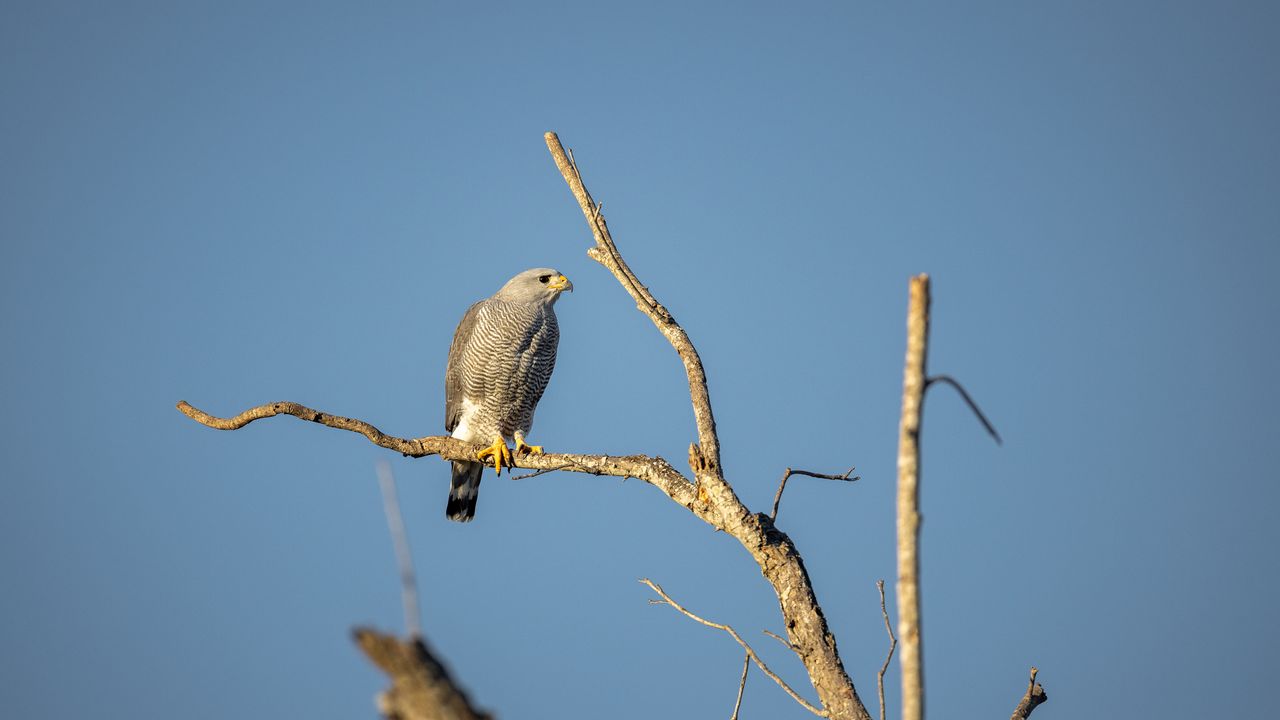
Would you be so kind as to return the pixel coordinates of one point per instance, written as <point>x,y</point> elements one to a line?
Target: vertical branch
<point>913,386</point>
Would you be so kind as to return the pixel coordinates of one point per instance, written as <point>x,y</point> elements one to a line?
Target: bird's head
<point>535,285</point>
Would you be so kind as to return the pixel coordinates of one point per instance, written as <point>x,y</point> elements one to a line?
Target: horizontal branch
<point>653,470</point>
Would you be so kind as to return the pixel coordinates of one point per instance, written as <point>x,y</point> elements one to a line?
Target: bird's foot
<point>523,448</point>
<point>500,453</point>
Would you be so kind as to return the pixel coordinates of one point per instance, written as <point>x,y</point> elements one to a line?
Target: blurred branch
<point>948,380</point>
<point>1031,700</point>
<point>400,542</point>
<point>421,687</point>
<point>913,386</point>
<point>666,599</point>
<point>893,643</point>
<point>787,475</point>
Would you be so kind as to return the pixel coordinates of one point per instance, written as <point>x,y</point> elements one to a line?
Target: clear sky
<point>234,203</point>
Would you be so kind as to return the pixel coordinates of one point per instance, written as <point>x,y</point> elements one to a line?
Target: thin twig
<point>400,540</point>
<point>913,384</point>
<point>893,644</point>
<point>947,379</point>
<point>733,633</point>
<point>1031,700</point>
<point>540,472</point>
<point>785,643</point>
<point>742,685</point>
<point>787,475</point>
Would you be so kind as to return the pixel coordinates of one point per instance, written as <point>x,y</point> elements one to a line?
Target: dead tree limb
<point>718,505</point>
<point>913,386</point>
<point>1031,700</point>
<point>421,687</point>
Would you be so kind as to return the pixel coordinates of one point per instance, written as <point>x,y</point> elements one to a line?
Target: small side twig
<point>742,686</point>
<point>1031,700</point>
<point>400,540</point>
<point>541,472</point>
<point>948,380</point>
<point>666,599</point>
<point>785,643</point>
<point>893,645</point>
<point>777,498</point>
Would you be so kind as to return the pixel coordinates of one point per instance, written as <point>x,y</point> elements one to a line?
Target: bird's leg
<point>499,452</point>
<point>522,447</point>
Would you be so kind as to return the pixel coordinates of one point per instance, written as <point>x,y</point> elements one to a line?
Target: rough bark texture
<point>421,688</point>
<point>913,387</point>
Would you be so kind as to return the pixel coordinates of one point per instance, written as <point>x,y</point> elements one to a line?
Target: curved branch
<point>948,380</point>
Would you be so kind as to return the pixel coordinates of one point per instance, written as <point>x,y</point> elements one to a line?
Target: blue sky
<point>237,203</point>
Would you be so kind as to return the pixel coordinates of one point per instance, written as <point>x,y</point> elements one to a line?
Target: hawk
<point>501,358</point>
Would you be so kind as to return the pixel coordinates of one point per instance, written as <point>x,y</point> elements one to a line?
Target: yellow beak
<point>561,283</point>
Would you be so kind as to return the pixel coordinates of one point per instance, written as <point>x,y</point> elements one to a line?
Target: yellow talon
<point>499,452</point>
<point>522,447</point>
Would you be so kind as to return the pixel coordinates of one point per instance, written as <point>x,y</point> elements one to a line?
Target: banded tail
<point>463,491</point>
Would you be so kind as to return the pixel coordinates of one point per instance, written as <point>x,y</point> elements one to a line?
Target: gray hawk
<point>501,358</point>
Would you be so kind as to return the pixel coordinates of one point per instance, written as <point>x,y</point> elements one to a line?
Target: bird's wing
<point>453,372</point>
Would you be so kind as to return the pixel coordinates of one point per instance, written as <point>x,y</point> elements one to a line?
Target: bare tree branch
<point>947,379</point>
<point>742,685</point>
<point>718,505</point>
<point>913,386</point>
<point>1031,700</point>
<point>785,476</point>
<point>606,253</point>
<point>421,687</point>
<point>666,599</point>
<point>893,644</point>
<point>400,542</point>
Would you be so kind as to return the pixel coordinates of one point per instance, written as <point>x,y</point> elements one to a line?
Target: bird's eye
<point>544,279</point>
